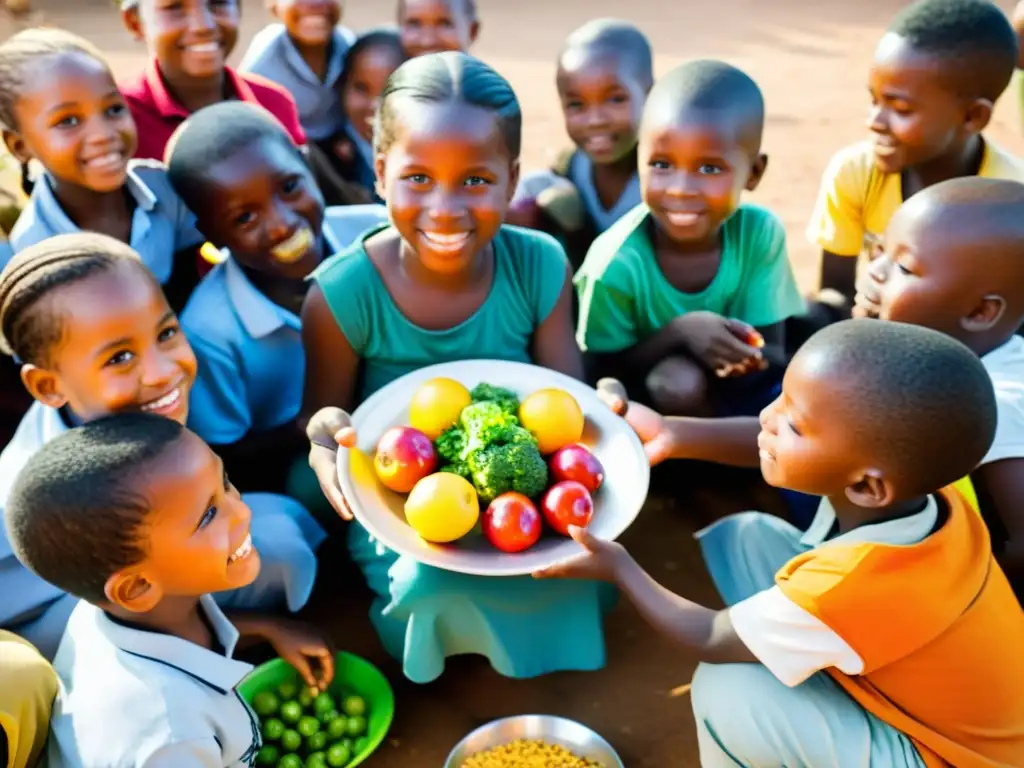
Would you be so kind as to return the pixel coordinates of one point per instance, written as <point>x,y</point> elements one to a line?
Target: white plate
<point>381,511</point>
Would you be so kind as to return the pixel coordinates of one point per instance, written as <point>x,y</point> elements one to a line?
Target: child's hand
<point>601,560</point>
<point>612,393</point>
<point>654,432</point>
<point>330,429</point>
<point>305,648</point>
<point>728,347</point>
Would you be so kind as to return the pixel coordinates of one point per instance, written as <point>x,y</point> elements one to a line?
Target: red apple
<point>575,462</point>
<point>567,503</point>
<point>404,457</point>
<point>512,523</point>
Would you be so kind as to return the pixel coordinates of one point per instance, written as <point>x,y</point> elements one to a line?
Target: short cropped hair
<point>616,38</point>
<point>76,514</point>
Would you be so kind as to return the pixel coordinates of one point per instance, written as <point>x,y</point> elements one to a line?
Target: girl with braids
<point>59,104</point>
<point>124,351</point>
<point>446,281</point>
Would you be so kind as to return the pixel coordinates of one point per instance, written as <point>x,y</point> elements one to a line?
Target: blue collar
<point>258,314</point>
<point>50,210</point>
<point>335,62</point>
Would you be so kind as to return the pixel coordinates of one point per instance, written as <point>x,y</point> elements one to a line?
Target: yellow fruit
<point>554,417</point>
<point>442,507</point>
<point>437,405</point>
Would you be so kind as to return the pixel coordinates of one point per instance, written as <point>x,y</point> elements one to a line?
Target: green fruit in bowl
<point>306,698</point>
<point>326,717</point>
<point>316,760</point>
<point>267,755</point>
<point>288,690</point>
<point>290,761</point>
<point>323,703</point>
<point>291,712</point>
<point>354,706</point>
<point>317,742</point>
<point>272,729</point>
<point>337,728</point>
<point>356,726</point>
<point>291,741</point>
<point>338,755</point>
<point>265,704</point>
<point>307,726</point>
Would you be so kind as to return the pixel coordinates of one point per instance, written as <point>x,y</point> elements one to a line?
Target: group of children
<point>167,490</point>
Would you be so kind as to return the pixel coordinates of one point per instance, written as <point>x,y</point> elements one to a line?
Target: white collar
<point>260,316</point>
<point>902,531</point>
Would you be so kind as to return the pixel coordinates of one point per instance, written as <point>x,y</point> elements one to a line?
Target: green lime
<point>267,755</point>
<point>323,703</point>
<point>288,690</point>
<point>291,712</point>
<point>272,729</point>
<point>326,717</point>
<point>306,697</point>
<point>317,742</point>
<point>265,703</point>
<point>349,743</point>
<point>354,706</point>
<point>290,761</point>
<point>316,760</point>
<point>356,726</point>
<point>308,726</point>
<point>338,755</point>
<point>337,728</point>
<point>291,741</point>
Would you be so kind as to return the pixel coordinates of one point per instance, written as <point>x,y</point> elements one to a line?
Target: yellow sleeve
<point>28,686</point>
<point>837,223</point>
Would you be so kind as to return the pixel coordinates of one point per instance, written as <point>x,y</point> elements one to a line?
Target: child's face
<point>197,532</point>
<point>602,104</point>
<point>364,84</point>
<point>309,22</point>
<point>121,349</point>
<point>692,173</point>
<point>264,205</point>
<point>913,116</point>
<point>188,38</point>
<point>448,180</point>
<point>434,26</point>
<point>72,118</point>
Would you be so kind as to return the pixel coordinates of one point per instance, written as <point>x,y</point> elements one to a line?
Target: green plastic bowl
<point>351,675</point>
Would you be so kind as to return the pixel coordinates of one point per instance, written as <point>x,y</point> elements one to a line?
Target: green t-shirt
<point>625,297</point>
<point>529,272</point>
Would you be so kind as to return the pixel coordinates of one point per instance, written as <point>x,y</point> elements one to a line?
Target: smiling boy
<point>435,26</point>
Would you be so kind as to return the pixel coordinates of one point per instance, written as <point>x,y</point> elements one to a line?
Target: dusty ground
<point>810,58</point>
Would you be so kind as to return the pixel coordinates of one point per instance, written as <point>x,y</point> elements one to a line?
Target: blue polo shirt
<point>130,698</point>
<point>251,361</point>
<point>343,224</point>
<point>273,55</point>
<point>161,225</point>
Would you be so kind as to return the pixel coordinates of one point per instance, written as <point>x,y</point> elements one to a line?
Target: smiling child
<point>436,26</point>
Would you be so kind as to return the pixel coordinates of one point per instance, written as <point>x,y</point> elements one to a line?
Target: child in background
<point>369,63</point>
<point>256,198</point>
<point>157,527</point>
<point>886,635</point>
<point>305,55</point>
<point>28,686</point>
<point>124,352</point>
<point>435,26</point>
<point>60,106</point>
<point>937,73</point>
<point>446,281</point>
<point>605,71</point>
<point>670,294</point>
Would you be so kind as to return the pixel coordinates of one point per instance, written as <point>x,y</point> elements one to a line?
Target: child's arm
<point>731,440</point>
<point>554,343</point>
<point>1000,488</point>
<point>302,645</point>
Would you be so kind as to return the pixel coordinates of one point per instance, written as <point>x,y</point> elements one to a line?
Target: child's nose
<point>280,221</point>
<point>201,18</point>
<point>876,121</point>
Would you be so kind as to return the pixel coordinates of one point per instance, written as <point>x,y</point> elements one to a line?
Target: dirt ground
<point>810,58</point>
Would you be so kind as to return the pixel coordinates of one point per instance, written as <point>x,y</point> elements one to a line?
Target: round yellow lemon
<point>442,507</point>
<point>554,417</point>
<point>437,405</point>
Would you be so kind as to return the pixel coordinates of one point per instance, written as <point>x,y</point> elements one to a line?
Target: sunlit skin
<point>434,26</point>
<point>309,23</point>
<point>262,203</point>
<point>364,83</point>
<point>121,349</point>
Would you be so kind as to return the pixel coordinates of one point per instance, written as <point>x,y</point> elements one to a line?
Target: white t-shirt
<point>1005,367</point>
<point>794,644</point>
<point>130,698</point>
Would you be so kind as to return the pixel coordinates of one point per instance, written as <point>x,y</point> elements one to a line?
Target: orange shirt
<point>940,632</point>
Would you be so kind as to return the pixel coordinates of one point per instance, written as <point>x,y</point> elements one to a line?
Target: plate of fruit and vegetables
<point>481,466</point>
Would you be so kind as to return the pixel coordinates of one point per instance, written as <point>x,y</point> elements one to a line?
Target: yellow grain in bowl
<point>528,753</point>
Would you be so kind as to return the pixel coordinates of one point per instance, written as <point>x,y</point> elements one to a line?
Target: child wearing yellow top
<point>28,686</point>
<point>936,76</point>
<point>886,634</point>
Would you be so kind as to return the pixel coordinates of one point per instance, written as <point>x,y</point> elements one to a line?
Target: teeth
<point>243,550</point>
<point>683,219</point>
<point>599,142</point>
<point>295,247</point>
<point>203,48</point>
<point>164,403</point>
<point>446,242</point>
<point>109,160</point>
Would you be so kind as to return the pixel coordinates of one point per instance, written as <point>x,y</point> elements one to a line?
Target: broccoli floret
<point>488,393</point>
<point>484,421</point>
<point>451,445</point>
<point>459,468</point>
<point>498,469</point>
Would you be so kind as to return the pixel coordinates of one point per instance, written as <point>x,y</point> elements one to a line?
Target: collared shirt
<point>581,174</point>
<point>272,54</point>
<point>130,698</point>
<point>343,224</point>
<point>162,225</point>
<point>251,361</point>
<point>157,113</point>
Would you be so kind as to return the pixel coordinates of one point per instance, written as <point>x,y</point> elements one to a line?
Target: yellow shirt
<point>857,200</point>
<point>28,686</point>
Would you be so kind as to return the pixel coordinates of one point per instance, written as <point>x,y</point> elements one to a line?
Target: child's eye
<point>242,219</point>
<point>575,104</point>
<point>619,98</point>
<point>417,178</point>
<point>412,23</point>
<point>117,110</point>
<point>476,181</point>
<point>446,24</point>
<point>290,186</point>
<point>904,270</point>
<point>208,517</point>
<point>119,358</point>
<point>792,427</point>
<point>709,169</point>
<point>167,334</point>
<point>68,122</point>
<point>661,165</point>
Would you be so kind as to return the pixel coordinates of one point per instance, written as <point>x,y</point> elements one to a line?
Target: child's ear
<point>872,491</point>
<point>16,146</point>
<point>132,22</point>
<point>757,169</point>
<point>978,115</point>
<point>272,7</point>
<point>379,167</point>
<point>43,385</point>
<point>513,180</point>
<point>474,32</point>
<point>983,317</point>
<point>131,590</point>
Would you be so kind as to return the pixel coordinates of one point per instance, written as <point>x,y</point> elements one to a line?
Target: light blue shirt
<point>581,173</point>
<point>136,699</point>
<point>161,225</point>
<point>251,361</point>
<point>273,55</point>
<point>343,224</point>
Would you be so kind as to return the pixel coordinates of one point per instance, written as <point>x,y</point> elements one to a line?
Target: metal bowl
<point>575,737</point>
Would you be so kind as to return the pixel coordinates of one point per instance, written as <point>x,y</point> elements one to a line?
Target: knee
<point>678,387</point>
<point>729,700</point>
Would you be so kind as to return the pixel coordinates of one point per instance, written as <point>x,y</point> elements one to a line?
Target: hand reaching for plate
<point>329,429</point>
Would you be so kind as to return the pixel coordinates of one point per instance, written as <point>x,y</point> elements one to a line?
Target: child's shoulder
<point>350,268</point>
<point>623,243</point>
<point>153,175</point>
<point>1000,164</point>
<point>855,163</point>
<point>530,243</point>
<point>204,314</point>
<point>265,44</point>
<point>755,224</point>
